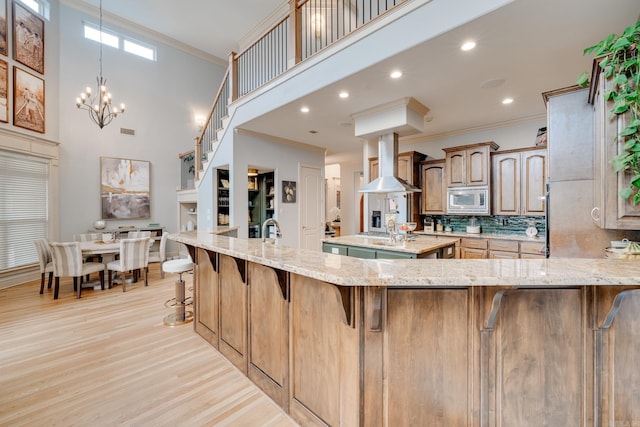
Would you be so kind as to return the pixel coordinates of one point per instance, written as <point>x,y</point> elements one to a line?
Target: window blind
<point>24,208</point>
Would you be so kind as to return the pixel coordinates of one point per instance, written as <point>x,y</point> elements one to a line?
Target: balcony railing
<point>310,27</point>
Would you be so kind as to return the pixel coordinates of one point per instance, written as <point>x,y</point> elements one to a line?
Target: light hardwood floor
<point>108,359</point>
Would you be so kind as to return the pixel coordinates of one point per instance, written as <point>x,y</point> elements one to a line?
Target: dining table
<point>106,250</point>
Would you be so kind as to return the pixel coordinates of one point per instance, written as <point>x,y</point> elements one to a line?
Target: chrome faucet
<point>264,228</point>
<point>391,226</point>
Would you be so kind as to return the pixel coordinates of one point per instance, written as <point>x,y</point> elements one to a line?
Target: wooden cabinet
<point>434,187</point>
<point>205,290</point>
<point>469,165</point>
<point>610,211</point>
<point>233,310</point>
<point>519,182</point>
<point>408,168</point>
<point>473,248</point>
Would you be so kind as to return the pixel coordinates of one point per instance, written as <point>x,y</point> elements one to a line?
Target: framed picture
<point>28,38</point>
<point>541,137</point>
<point>4,46</point>
<point>288,191</point>
<point>124,188</point>
<point>4,91</point>
<point>28,100</point>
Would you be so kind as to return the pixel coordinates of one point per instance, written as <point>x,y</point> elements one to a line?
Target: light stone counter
<point>348,271</point>
<point>458,234</point>
<point>420,245</point>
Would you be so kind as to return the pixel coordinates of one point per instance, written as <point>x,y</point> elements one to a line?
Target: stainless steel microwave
<point>468,200</point>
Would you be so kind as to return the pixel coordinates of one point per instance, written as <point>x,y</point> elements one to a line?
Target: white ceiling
<point>533,45</point>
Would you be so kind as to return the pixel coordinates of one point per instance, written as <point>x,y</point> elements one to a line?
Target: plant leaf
<point>583,80</point>
<point>626,193</point>
<point>629,130</point>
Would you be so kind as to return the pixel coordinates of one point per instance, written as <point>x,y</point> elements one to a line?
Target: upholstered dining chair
<point>89,237</point>
<point>67,262</point>
<point>161,255</point>
<point>45,260</point>
<point>134,255</point>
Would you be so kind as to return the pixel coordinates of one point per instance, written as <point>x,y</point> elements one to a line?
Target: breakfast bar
<point>343,341</point>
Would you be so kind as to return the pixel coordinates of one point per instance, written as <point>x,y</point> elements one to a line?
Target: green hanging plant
<point>620,62</point>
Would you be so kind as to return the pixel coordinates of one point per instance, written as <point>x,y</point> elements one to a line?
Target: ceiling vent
<point>126,131</point>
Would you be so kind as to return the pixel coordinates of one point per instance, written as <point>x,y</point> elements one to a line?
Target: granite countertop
<point>421,245</point>
<point>451,273</point>
<point>519,237</point>
<point>221,229</point>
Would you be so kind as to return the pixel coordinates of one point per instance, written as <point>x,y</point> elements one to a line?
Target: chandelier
<point>99,104</point>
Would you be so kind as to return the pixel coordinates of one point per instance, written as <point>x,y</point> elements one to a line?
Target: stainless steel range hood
<point>387,122</point>
<point>388,180</point>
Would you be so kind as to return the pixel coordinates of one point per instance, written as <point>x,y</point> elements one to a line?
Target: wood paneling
<point>233,311</point>
<point>539,369</point>
<point>206,296</point>
<point>324,355</point>
<point>427,358</point>
<point>268,331</point>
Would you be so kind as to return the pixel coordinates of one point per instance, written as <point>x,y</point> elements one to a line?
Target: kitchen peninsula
<point>343,341</point>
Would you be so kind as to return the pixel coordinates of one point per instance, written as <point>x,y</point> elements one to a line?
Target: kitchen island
<point>343,341</point>
<point>382,247</point>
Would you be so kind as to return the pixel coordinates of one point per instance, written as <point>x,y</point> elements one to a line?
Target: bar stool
<point>181,316</point>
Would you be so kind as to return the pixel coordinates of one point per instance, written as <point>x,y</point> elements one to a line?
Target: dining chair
<point>67,262</point>
<point>89,237</point>
<point>138,234</point>
<point>161,255</point>
<point>45,260</point>
<point>134,255</point>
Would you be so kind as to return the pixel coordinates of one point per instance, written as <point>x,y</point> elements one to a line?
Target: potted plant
<point>618,58</point>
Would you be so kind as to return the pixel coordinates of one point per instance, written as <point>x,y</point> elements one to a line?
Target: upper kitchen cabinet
<point>610,210</point>
<point>408,167</point>
<point>519,182</point>
<point>469,165</point>
<point>434,187</point>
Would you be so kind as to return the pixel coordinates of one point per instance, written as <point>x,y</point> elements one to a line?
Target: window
<point>103,37</point>
<point>140,50</point>
<point>24,207</point>
<point>110,38</point>
<point>41,7</point>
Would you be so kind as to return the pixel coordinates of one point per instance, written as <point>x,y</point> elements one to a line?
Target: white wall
<point>285,159</point>
<point>162,99</point>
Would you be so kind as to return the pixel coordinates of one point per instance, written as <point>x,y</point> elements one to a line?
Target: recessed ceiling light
<point>304,109</point>
<point>468,45</point>
<point>344,94</point>
<point>396,74</point>
<point>507,101</point>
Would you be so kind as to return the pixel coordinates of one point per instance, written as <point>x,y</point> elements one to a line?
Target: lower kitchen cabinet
<point>479,248</point>
<point>473,248</point>
<point>369,253</point>
<point>365,253</point>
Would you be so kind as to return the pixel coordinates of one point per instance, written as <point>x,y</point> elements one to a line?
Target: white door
<point>311,206</point>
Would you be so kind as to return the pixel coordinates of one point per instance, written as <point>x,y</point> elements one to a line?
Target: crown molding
<point>423,137</point>
<point>143,31</point>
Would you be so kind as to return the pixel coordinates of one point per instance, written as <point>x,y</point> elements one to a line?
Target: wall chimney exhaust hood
<point>386,123</point>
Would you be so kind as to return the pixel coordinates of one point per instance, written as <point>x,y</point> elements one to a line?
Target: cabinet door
<point>614,212</point>
<point>534,172</point>
<point>506,183</point>
<point>434,188</point>
<point>469,253</point>
<point>503,255</point>
<point>456,168</point>
<point>361,252</point>
<point>373,169</point>
<point>477,166</point>
<point>405,167</point>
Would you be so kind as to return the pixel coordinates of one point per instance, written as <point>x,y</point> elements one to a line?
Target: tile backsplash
<point>494,224</point>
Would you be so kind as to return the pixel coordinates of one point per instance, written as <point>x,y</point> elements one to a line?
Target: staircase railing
<point>309,27</point>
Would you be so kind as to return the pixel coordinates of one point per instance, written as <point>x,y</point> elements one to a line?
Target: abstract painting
<point>124,188</point>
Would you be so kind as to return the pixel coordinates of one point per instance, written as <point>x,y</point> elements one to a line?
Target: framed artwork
<point>28,38</point>
<point>288,191</point>
<point>541,137</point>
<point>124,188</point>
<point>28,101</point>
<point>4,91</point>
<point>3,28</point>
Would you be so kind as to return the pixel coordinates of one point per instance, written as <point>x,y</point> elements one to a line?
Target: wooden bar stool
<point>180,316</point>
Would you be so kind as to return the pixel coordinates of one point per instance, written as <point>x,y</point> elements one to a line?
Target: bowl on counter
<point>620,243</point>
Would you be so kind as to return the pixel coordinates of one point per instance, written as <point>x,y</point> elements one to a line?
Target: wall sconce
<point>199,122</point>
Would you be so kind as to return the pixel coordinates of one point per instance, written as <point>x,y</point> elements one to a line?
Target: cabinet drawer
<point>503,255</point>
<point>474,243</point>
<point>503,245</point>
<point>535,248</point>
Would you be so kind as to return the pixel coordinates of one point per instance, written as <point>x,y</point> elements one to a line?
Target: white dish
<point>620,243</point>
